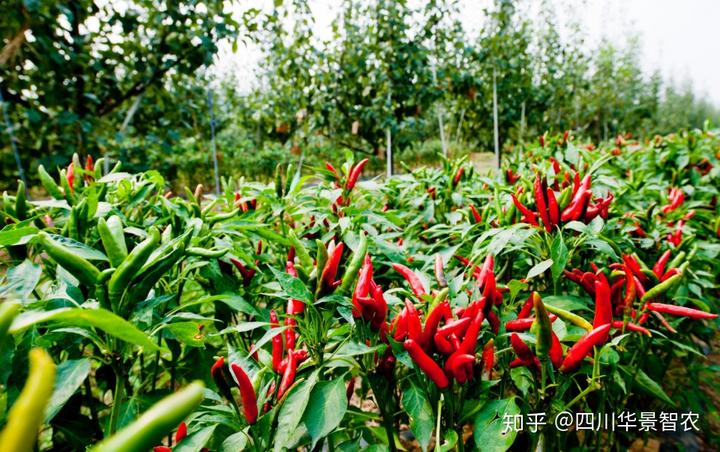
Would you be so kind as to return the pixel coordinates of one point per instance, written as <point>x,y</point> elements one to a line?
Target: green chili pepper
<point>570,317</point>
<point>27,413</point>
<point>78,266</point>
<point>152,275</point>
<point>210,254</point>
<point>222,216</point>
<point>129,267</point>
<point>21,207</point>
<point>97,169</point>
<point>302,253</point>
<point>8,311</point>
<point>8,205</point>
<point>49,183</point>
<point>288,179</point>
<point>113,239</point>
<point>677,260</point>
<point>542,327</point>
<point>662,288</point>
<point>320,258</point>
<point>353,268</point>
<point>68,192</point>
<point>154,424</point>
<point>564,199</point>
<point>278,181</point>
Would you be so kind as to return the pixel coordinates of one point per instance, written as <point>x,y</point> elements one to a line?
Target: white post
<point>388,151</point>
<point>388,138</point>
<point>522,123</point>
<point>440,120</point>
<point>495,122</point>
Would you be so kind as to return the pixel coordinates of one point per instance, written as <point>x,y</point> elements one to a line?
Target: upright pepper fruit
<point>247,393</point>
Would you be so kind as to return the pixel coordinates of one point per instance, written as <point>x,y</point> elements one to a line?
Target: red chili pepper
<point>584,346</point>
<point>89,169</point>
<point>362,287</point>
<point>676,198</point>
<point>460,366</point>
<point>521,348</point>
<point>680,311</point>
<point>355,174</point>
<point>277,342</point>
<point>488,359</point>
<point>414,326</point>
<point>182,431</point>
<point>288,377</point>
<point>443,345</point>
<point>556,351</point>
<point>603,306</point>
<point>458,175</point>
<point>162,449</point>
<point>494,321</point>
<point>70,176</point>
<point>247,393</point>
<point>432,321</point>
<point>469,342</point>
<point>669,274</point>
<point>401,327</point>
<point>511,177</point>
<point>553,208</point>
<point>527,308</point>
<point>440,271</point>
<point>290,335</point>
<point>575,208</point>
<point>618,325</point>
<point>475,214</point>
<point>676,237</point>
<point>458,327</point>
<point>332,170</point>
<point>219,377</point>
<point>331,267</point>
<point>630,290</point>
<point>528,215</point>
<point>634,266</point>
<point>378,320</point>
<point>523,324</point>
<point>541,204</point>
<point>426,364</point>
<point>412,279</point>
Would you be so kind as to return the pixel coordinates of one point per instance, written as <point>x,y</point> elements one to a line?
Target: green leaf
<point>650,386</point>
<point>293,287</point>
<point>10,235</point>
<point>187,333</point>
<point>79,248</point>
<point>418,407</point>
<point>539,269</point>
<point>292,411</point>
<point>559,255</point>
<point>20,281</point>
<point>89,318</point>
<point>236,441</point>
<point>489,426</point>
<point>326,409</point>
<point>195,441</point>
<point>69,376</point>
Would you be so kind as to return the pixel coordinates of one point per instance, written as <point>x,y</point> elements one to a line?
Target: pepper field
<point>566,302</point>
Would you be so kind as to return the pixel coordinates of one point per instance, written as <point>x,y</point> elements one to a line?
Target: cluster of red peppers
<point>441,332</point>
<point>573,204</point>
<point>350,181</point>
<point>640,284</point>
<point>368,299</point>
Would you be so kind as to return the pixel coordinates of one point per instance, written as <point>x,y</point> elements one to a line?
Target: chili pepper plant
<point>419,312</point>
